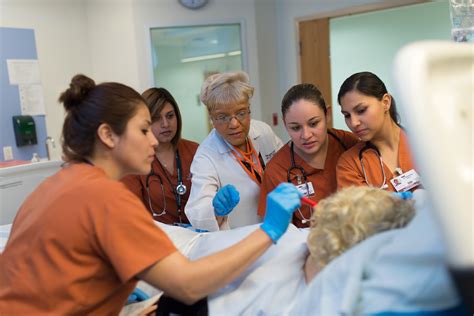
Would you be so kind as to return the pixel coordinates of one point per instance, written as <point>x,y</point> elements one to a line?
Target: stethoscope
<point>296,167</point>
<point>370,146</point>
<point>303,176</point>
<point>179,190</point>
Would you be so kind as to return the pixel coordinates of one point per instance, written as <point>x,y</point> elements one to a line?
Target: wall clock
<point>193,4</point>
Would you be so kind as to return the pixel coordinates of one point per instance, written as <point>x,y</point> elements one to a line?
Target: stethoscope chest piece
<point>181,189</point>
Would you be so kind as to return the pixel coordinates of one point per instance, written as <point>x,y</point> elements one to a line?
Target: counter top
<point>29,166</point>
<point>12,163</point>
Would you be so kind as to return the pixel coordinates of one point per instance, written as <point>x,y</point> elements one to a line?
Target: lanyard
<point>246,161</point>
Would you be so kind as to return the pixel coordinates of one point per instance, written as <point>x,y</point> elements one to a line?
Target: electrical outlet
<point>7,153</point>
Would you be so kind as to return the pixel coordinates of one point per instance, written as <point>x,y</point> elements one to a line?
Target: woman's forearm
<point>210,273</point>
<point>190,281</point>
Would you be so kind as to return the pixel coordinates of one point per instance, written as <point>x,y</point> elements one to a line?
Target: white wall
<point>266,24</point>
<point>112,44</point>
<point>62,47</point>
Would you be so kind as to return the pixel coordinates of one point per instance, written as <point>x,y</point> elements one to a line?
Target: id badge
<point>303,188</point>
<point>406,181</point>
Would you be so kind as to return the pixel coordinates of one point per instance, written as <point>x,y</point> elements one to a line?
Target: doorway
<point>183,57</point>
<point>315,62</point>
<point>316,41</point>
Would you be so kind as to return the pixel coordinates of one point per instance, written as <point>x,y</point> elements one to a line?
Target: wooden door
<point>314,58</point>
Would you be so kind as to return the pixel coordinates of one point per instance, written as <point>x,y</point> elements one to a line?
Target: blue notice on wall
<point>17,50</point>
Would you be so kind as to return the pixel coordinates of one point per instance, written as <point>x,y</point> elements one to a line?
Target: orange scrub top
<point>137,184</point>
<point>76,245</point>
<point>349,168</point>
<point>323,180</point>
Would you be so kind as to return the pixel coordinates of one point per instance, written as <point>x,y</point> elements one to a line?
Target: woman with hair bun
<point>81,240</point>
<point>383,159</point>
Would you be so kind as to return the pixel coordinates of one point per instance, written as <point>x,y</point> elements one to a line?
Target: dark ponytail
<point>369,84</point>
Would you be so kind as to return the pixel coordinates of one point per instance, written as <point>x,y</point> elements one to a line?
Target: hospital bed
<point>387,274</point>
<point>399,272</point>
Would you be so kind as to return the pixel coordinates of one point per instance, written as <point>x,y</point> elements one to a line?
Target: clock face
<point>193,4</point>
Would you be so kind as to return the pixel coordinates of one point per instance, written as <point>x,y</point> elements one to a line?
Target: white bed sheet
<point>270,285</point>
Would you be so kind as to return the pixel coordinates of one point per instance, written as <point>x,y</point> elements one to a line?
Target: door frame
<point>149,53</point>
<point>148,28</point>
<point>339,13</point>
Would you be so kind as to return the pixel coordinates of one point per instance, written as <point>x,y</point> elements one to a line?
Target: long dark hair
<point>156,99</point>
<point>88,106</point>
<point>369,84</point>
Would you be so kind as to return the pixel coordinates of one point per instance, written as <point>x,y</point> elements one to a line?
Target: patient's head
<point>350,216</point>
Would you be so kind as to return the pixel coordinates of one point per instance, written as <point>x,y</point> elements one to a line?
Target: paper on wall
<point>23,71</point>
<point>31,99</point>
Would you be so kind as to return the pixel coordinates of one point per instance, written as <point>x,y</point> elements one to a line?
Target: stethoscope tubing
<point>369,146</point>
<point>147,188</point>
<point>178,192</point>
<point>294,166</point>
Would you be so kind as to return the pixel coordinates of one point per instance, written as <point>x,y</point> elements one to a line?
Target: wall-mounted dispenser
<point>25,130</point>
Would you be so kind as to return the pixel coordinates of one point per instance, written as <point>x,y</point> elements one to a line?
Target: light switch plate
<point>7,153</point>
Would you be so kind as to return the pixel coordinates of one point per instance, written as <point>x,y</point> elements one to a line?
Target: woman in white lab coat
<point>234,153</point>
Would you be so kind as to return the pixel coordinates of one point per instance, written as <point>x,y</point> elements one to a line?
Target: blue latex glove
<point>404,195</point>
<point>137,296</point>
<point>188,226</point>
<point>225,200</point>
<point>281,203</point>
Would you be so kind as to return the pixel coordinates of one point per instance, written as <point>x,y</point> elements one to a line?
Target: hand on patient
<point>350,216</point>
<point>404,195</point>
<point>281,203</point>
<point>225,200</point>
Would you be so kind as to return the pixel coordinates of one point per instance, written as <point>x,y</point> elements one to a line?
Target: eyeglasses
<point>225,119</point>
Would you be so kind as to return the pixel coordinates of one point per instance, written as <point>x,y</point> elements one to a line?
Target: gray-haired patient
<point>347,218</point>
